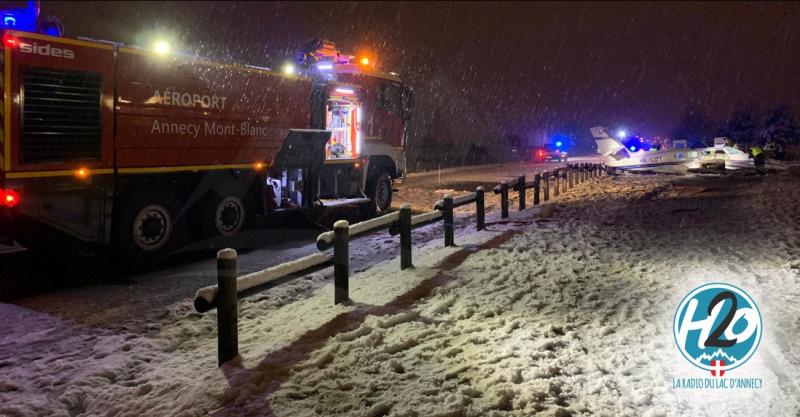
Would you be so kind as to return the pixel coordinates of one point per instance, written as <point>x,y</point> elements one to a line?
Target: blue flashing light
<point>633,149</point>
<point>560,141</point>
<point>20,18</point>
<point>51,27</point>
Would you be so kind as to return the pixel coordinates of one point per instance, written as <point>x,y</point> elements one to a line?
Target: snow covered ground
<point>565,309</point>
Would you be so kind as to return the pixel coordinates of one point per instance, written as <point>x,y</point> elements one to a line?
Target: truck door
<point>342,120</point>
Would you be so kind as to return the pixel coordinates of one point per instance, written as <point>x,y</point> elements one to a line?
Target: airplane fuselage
<point>682,160</point>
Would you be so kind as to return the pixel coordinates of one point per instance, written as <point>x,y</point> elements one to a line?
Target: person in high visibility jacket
<point>759,158</point>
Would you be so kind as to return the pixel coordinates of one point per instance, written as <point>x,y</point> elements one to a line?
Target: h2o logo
<point>717,327</point>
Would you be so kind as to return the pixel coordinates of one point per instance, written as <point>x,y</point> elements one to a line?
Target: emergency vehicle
<point>126,148</point>
<point>548,153</point>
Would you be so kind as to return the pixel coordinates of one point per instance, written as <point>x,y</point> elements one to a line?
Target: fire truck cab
<point>137,151</point>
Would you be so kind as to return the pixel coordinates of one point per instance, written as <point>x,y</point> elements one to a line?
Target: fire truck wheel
<point>225,215</point>
<point>229,216</point>
<point>380,192</point>
<point>146,227</point>
<point>152,227</point>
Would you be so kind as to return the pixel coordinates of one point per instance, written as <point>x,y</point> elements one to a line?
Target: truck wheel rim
<point>229,216</point>
<point>152,227</point>
<point>382,196</point>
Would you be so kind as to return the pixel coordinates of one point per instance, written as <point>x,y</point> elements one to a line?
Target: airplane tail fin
<point>606,145</point>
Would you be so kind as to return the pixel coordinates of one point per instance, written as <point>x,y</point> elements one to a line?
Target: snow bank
<point>573,316</point>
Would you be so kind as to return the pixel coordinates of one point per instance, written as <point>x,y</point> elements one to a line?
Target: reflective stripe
<point>67,41</point>
<point>158,170</point>
<point>60,173</point>
<point>130,171</point>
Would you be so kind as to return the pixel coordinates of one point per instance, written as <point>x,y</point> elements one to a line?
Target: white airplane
<point>678,160</point>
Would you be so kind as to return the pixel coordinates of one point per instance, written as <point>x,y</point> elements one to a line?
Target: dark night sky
<point>525,65</point>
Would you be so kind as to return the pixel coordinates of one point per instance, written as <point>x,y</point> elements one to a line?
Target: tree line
<point>744,127</point>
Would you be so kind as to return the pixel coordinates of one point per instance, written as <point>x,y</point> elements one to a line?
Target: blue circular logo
<point>717,327</point>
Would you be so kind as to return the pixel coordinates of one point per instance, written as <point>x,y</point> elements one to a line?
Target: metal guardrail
<point>561,178</point>
<point>205,297</point>
<point>225,295</point>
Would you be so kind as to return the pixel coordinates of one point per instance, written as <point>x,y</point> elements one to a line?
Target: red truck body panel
<point>174,111</point>
<point>31,50</point>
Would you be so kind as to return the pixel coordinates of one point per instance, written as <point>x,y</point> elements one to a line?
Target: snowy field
<point>565,309</point>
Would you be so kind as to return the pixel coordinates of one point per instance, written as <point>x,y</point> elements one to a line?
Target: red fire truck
<point>128,149</point>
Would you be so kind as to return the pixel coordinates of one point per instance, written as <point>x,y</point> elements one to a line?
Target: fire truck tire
<point>147,227</point>
<point>226,216</point>
<point>379,190</point>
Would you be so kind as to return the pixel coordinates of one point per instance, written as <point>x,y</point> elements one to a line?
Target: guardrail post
<point>521,186</point>
<point>480,210</point>
<point>405,236</point>
<point>448,220</point>
<point>504,199</point>
<point>546,179</point>
<point>596,170</point>
<point>537,185</point>
<point>557,177</point>
<point>341,261</point>
<point>571,175</point>
<point>227,307</point>
<point>582,173</point>
<point>591,170</point>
